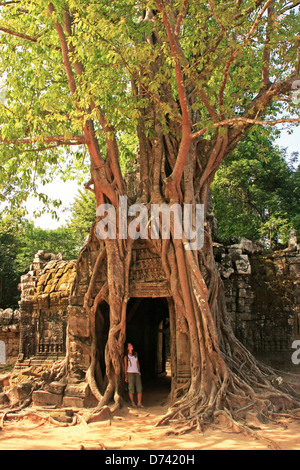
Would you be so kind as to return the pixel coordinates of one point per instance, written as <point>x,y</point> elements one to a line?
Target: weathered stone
<point>218,250</point>
<point>235,250</point>
<point>79,326</point>
<point>4,399</point>
<point>104,415</point>
<point>250,247</point>
<point>226,267</point>
<point>56,387</point>
<point>4,380</point>
<point>293,242</point>
<point>19,393</point>
<point>81,390</point>
<point>77,402</point>
<point>242,293</point>
<point>65,416</point>
<point>44,398</point>
<point>243,265</point>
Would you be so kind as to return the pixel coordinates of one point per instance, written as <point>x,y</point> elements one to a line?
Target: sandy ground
<point>134,429</point>
<point>137,431</point>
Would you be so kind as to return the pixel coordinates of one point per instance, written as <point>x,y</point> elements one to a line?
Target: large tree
<point>185,80</point>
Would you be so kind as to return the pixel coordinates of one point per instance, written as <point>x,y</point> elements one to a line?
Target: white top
<point>132,364</point>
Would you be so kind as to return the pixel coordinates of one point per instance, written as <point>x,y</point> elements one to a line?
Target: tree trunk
<point>225,377</point>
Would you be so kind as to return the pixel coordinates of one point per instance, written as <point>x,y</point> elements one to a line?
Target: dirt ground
<point>134,429</point>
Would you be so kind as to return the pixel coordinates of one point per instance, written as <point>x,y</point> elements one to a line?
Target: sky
<point>291,142</point>
<point>67,191</point>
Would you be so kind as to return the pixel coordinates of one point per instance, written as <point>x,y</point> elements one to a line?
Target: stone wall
<point>45,292</point>
<point>9,336</point>
<point>262,294</point>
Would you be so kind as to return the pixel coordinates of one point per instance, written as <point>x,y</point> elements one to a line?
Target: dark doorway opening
<point>102,330</point>
<point>148,329</point>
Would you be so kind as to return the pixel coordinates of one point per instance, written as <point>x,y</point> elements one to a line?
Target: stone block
<point>43,301</point>
<point>44,398</point>
<point>79,396</point>
<point>243,265</point>
<point>56,388</point>
<point>225,266</point>
<point>250,247</point>
<point>218,250</point>
<point>73,402</point>
<point>79,326</point>
<point>81,390</point>
<point>77,402</point>
<point>242,293</point>
<point>235,251</point>
<point>18,393</point>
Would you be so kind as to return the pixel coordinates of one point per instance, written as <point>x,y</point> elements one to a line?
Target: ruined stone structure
<point>263,297</point>
<point>9,336</point>
<point>45,292</point>
<point>262,294</point>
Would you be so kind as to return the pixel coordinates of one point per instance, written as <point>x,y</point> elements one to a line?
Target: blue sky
<point>291,142</point>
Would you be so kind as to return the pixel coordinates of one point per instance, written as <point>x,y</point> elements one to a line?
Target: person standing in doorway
<point>133,375</point>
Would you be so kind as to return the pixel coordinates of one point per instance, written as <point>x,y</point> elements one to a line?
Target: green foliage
<point>83,214</point>
<point>256,192</point>
<point>40,119</point>
<point>19,242</point>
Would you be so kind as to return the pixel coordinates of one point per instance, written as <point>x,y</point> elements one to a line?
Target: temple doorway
<point>148,329</point>
<point>102,330</point>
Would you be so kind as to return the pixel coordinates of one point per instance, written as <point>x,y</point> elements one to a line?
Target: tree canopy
<point>65,63</point>
<point>256,192</point>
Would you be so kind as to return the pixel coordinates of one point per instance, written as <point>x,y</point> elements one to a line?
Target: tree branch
<point>135,77</point>
<point>212,5</point>
<point>267,49</point>
<point>225,77</point>
<point>257,107</point>
<point>61,140</point>
<point>186,124</point>
<point>179,76</point>
<point>34,39</point>
<point>256,22</point>
<point>289,7</point>
<point>245,120</point>
<point>64,50</point>
<point>4,4</point>
<point>181,17</point>
<point>98,166</point>
<point>19,35</point>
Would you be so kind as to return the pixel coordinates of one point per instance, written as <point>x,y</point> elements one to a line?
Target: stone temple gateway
<point>262,294</point>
